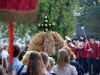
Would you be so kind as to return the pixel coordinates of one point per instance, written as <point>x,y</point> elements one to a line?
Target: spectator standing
<point>3,63</point>
<point>22,53</point>
<point>26,57</point>
<point>75,64</point>
<point>5,53</point>
<point>17,65</point>
<point>35,65</point>
<point>22,48</point>
<point>63,66</point>
<point>51,64</point>
<point>1,48</point>
<point>26,45</point>
<point>46,62</point>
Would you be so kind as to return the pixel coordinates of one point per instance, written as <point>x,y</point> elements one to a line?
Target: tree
<point>90,15</point>
<point>60,12</point>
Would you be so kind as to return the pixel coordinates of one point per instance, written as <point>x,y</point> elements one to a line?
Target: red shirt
<point>95,49</point>
<point>99,50</point>
<point>81,52</point>
<point>71,47</point>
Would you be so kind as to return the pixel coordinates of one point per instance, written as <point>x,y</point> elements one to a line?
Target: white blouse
<point>69,70</point>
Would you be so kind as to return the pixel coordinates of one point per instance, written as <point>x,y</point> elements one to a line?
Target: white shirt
<point>47,73</point>
<point>69,70</point>
<point>5,54</point>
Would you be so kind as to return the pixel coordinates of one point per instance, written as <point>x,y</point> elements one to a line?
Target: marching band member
<point>81,53</point>
<point>92,54</point>
<point>98,61</point>
<point>69,44</point>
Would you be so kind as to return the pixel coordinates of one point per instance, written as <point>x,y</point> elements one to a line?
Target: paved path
<point>86,74</point>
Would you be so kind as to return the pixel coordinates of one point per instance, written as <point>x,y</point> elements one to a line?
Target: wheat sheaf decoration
<point>46,40</point>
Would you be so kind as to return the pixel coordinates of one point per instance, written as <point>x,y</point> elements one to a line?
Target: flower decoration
<point>45,24</point>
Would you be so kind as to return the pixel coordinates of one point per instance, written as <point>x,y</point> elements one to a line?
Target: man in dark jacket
<point>78,67</point>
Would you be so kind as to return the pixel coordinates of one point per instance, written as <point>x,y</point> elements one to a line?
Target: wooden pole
<point>86,37</point>
<point>10,35</point>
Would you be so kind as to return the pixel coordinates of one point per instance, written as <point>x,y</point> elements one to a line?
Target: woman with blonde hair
<point>35,65</point>
<point>73,56</point>
<point>26,57</point>
<point>63,66</point>
<point>75,64</point>
<point>51,64</point>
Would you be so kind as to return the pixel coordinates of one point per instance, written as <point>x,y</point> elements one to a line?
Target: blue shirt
<point>17,65</point>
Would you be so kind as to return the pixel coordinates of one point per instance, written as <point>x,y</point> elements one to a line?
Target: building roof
<point>79,32</point>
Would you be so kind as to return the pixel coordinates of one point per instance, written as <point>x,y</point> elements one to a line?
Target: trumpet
<point>80,47</point>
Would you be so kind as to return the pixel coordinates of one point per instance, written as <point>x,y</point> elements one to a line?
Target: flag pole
<point>10,36</point>
<point>85,36</point>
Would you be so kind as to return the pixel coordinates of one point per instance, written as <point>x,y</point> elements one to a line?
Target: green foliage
<point>55,57</point>
<point>3,31</point>
<point>90,15</point>
<point>59,11</point>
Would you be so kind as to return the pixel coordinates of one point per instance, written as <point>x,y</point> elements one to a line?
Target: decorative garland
<point>47,40</point>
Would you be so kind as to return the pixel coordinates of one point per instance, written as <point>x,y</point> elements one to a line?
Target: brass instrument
<point>80,45</point>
